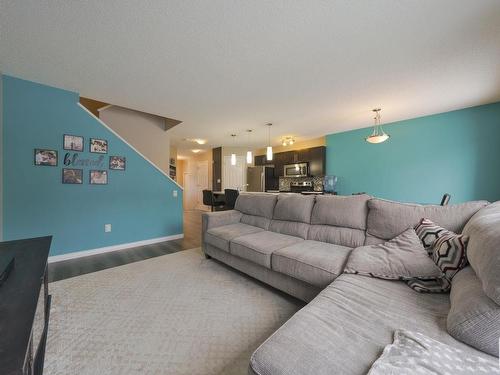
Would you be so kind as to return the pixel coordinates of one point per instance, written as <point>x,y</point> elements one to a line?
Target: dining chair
<point>209,200</point>
<point>231,196</point>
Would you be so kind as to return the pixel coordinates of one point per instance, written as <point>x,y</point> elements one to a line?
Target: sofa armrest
<point>218,219</point>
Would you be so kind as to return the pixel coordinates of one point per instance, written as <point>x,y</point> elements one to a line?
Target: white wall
<point>228,170</point>
<point>143,131</point>
<point>192,189</point>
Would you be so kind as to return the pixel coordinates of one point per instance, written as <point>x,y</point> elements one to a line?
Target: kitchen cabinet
<point>260,160</point>
<point>315,156</point>
<point>317,161</point>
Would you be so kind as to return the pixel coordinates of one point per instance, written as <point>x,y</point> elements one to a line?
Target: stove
<point>300,186</point>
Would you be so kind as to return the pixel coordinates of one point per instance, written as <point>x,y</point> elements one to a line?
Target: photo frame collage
<point>49,157</point>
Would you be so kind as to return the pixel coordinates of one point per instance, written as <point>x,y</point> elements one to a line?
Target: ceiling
<point>224,66</point>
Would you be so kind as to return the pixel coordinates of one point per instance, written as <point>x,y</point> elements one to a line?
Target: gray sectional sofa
<point>300,244</point>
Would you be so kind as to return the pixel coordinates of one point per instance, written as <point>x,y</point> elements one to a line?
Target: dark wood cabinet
<point>317,161</point>
<point>260,160</point>
<point>217,169</point>
<point>315,156</point>
<point>279,163</point>
<point>24,306</point>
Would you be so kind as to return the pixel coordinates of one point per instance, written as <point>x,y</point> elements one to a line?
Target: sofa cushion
<point>294,207</point>
<point>483,249</point>
<point>386,219</point>
<point>256,221</point>
<point>258,247</point>
<point>336,235</point>
<point>473,318</point>
<point>291,228</point>
<point>256,204</point>
<point>292,215</point>
<point>346,327</point>
<point>221,236</point>
<point>341,211</point>
<point>316,263</point>
<point>402,258</point>
<point>415,353</point>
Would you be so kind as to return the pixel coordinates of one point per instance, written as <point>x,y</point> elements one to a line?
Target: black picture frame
<point>94,143</point>
<point>71,148</point>
<point>92,180</point>
<point>68,179</point>
<point>113,166</point>
<point>37,157</point>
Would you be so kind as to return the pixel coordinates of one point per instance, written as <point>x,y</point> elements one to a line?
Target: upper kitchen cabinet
<point>317,161</point>
<point>260,160</point>
<point>279,159</point>
<point>315,156</point>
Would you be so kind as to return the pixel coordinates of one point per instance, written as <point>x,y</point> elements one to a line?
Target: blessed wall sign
<point>76,161</point>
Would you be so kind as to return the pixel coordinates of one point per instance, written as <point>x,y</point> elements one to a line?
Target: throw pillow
<point>402,258</point>
<point>430,285</point>
<point>448,252</point>
<point>414,353</point>
<point>473,318</point>
<point>428,232</point>
<point>447,249</point>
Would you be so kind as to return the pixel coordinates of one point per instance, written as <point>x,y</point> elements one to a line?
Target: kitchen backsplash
<point>285,182</point>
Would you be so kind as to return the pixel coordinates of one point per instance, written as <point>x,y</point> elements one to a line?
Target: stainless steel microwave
<point>296,170</point>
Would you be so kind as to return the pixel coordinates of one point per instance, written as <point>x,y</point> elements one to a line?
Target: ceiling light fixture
<point>196,140</point>
<point>249,152</point>
<point>378,135</point>
<point>233,155</point>
<point>269,149</point>
<point>196,150</point>
<point>287,141</point>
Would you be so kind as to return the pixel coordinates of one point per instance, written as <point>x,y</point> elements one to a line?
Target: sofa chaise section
<point>346,327</point>
<point>316,263</point>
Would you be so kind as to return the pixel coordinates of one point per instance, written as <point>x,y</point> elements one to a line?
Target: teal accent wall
<point>138,202</point>
<point>456,152</point>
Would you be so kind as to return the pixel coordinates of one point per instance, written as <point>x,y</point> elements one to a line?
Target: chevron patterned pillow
<point>429,232</point>
<point>447,250</point>
<point>434,285</point>
<point>449,253</point>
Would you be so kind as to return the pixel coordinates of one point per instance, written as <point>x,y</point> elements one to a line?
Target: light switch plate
<point>174,193</point>
<point>107,228</point>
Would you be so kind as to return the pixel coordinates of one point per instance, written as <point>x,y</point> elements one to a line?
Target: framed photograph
<point>45,157</point>
<point>98,177</point>
<point>117,163</point>
<point>72,176</point>
<point>73,142</point>
<point>99,146</point>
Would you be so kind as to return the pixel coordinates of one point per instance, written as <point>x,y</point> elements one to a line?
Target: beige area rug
<point>174,314</point>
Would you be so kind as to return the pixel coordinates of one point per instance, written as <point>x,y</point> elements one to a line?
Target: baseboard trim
<point>108,249</point>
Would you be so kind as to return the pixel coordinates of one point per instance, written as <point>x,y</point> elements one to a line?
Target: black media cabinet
<point>24,305</point>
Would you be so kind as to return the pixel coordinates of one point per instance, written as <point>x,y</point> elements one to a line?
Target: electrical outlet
<point>174,193</point>
<point>107,228</point>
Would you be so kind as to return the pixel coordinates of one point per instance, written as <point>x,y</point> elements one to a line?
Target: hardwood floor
<point>74,267</point>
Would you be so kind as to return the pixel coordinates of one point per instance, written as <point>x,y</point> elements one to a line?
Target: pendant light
<point>378,135</point>
<point>233,155</point>
<point>249,152</point>
<point>269,149</point>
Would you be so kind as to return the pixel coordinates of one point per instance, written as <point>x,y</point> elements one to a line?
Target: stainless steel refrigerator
<point>261,178</point>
